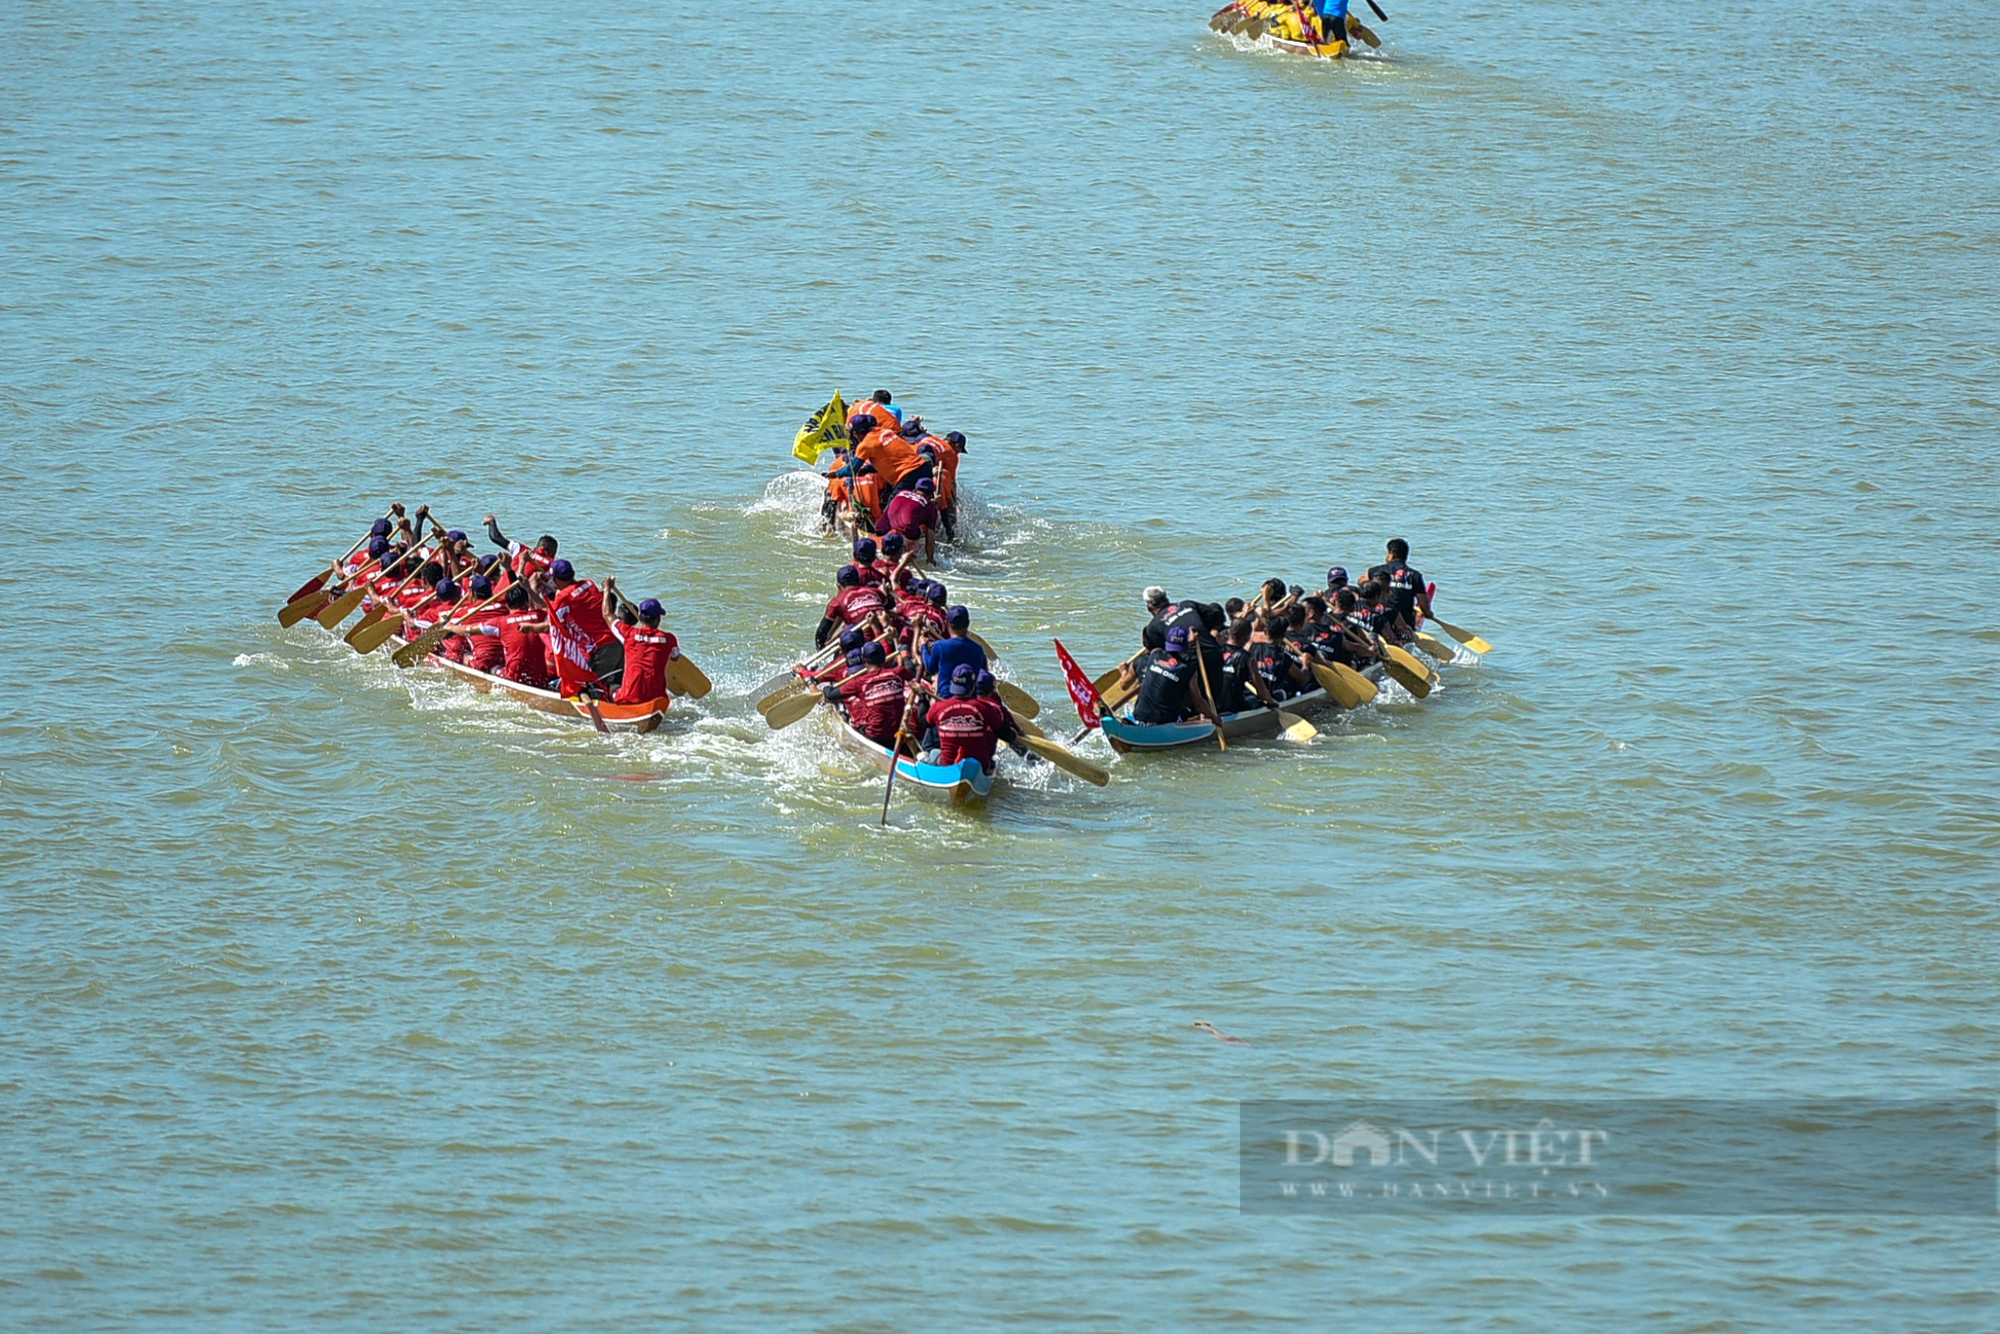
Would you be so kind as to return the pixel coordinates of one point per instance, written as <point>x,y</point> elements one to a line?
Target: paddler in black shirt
<point>1407,591</point>
<point>1169,681</point>
<point>1277,666</point>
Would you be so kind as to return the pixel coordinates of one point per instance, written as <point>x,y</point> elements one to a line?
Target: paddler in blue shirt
<point>1332,20</point>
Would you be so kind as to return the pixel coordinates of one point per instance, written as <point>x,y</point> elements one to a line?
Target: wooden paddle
<point>374,632</point>
<point>788,711</point>
<point>1336,686</point>
<point>1378,11</point>
<point>1064,759</point>
<point>341,607</point>
<point>1436,647</point>
<point>1360,29</point>
<point>420,647</point>
<point>1208,697</point>
<point>318,581</point>
<point>896,751</point>
<point>788,683</point>
<point>1463,636</point>
<point>683,677</point>
<point>596,718</point>
<point>1018,700</point>
<point>380,611</point>
<point>1110,678</point>
<point>1409,673</point>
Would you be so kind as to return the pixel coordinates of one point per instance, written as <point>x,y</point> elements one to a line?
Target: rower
<point>1332,20</point>
<point>648,650</point>
<point>986,694</point>
<point>1336,579</point>
<point>484,651</point>
<point>1233,682</point>
<point>943,658</point>
<point>864,560</point>
<point>579,605</point>
<point>1168,679</point>
<point>523,643</point>
<point>874,695</point>
<point>1407,594</point>
<point>853,604</point>
<point>525,559</point>
<point>913,514</point>
<point>1280,670</point>
<point>960,728</point>
<point>1360,631</point>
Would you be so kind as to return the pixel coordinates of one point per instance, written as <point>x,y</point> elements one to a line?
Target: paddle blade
<point>1335,687</point>
<point>788,711</point>
<point>1104,683</point>
<point>1363,689</point>
<point>1414,682</point>
<point>294,612</point>
<point>1294,728</point>
<point>684,678</point>
<point>419,648</point>
<point>1436,647</point>
<point>340,608</point>
<point>1019,700</point>
<point>310,587</point>
<point>1119,695</point>
<point>367,638</point>
<point>780,695</point>
<point>369,621</point>
<point>596,718</point>
<point>1409,662</point>
<point>1067,761</point>
<point>1463,636</point>
<point>1360,29</point>
<point>984,647</point>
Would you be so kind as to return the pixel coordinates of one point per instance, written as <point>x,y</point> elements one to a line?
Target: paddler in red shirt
<point>537,559</point>
<point>875,695</point>
<point>648,650</point>
<point>853,605</point>
<point>580,605</point>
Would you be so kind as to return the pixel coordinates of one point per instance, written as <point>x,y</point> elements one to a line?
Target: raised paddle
<point>1111,678</point>
<point>787,683</point>
<point>1463,636</point>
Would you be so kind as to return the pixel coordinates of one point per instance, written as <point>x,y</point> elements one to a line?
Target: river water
<point>342,998</point>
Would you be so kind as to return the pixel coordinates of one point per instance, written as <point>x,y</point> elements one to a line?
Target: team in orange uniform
<point>890,456</point>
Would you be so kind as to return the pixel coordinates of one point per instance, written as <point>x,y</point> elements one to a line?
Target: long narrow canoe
<point>966,781</point>
<point>1127,735</point>
<point>618,717</point>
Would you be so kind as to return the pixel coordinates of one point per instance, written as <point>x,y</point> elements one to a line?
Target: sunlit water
<point>343,997</point>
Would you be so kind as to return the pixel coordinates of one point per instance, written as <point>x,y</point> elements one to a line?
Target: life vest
<point>946,471</point>
<point>891,455</point>
<point>867,498</point>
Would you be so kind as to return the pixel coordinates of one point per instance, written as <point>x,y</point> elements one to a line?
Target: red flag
<point>571,651</point>
<point>1081,690</point>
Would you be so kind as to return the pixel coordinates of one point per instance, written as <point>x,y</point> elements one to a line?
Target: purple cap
<point>962,678</point>
<point>935,591</point>
<point>984,684</point>
<point>913,427</point>
<point>864,548</point>
<point>956,439</point>
<point>854,658</point>
<point>1336,575</point>
<point>480,585</point>
<point>847,577</point>
<point>380,528</point>
<point>455,535</point>
<point>861,426</point>
<point>651,607</point>
<point>377,545</point>
<point>562,570</point>
<point>873,653</point>
<point>959,615</point>
<point>446,590</point>
<point>851,638</point>
<point>1177,638</point>
<point>892,544</point>
<point>926,485</point>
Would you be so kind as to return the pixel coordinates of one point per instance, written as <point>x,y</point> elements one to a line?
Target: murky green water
<point>343,998</point>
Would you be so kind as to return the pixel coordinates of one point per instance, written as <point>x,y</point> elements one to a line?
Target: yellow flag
<point>824,430</point>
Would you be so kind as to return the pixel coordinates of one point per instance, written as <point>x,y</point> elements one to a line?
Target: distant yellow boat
<point>1286,26</point>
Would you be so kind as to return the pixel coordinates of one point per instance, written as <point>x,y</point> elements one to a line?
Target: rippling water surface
<point>345,998</point>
